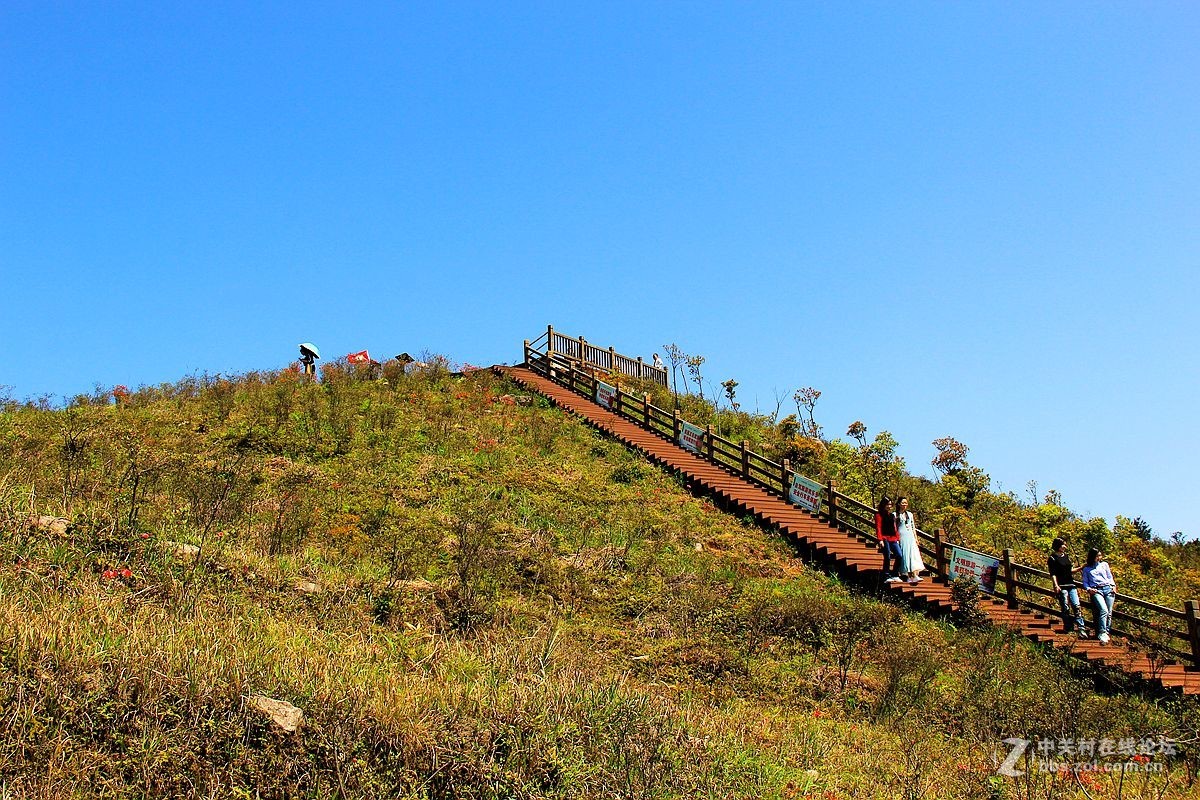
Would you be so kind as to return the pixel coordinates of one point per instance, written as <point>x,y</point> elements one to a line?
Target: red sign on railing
<point>691,437</point>
<point>606,394</point>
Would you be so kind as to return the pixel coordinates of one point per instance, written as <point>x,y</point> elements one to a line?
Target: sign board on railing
<point>805,493</point>
<point>606,395</point>
<point>979,567</point>
<point>691,436</point>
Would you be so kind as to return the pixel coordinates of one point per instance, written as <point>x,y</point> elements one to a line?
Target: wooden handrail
<point>584,353</point>
<point>765,462</point>
<point>564,358</point>
<point>861,505</point>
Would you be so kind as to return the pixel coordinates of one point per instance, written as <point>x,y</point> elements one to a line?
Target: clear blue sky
<point>969,219</point>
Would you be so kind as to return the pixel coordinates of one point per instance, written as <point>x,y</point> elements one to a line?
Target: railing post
<point>675,427</point>
<point>708,441</point>
<point>833,502</point>
<point>583,359</point>
<point>939,553</point>
<point>641,368</point>
<point>612,360</point>
<point>1010,586</point>
<point>526,360</point>
<point>785,478</point>
<point>617,400</point>
<point>549,340</point>
<point>646,412</point>
<point>1192,608</point>
<point>746,458</point>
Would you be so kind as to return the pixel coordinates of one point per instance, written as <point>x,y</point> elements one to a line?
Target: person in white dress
<point>906,526</point>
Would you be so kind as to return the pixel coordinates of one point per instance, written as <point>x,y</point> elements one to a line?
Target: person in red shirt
<point>889,540</point>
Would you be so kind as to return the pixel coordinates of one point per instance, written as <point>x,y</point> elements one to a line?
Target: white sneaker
<point>892,580</point>
<point>914,581</point>
<point>1104,638</point>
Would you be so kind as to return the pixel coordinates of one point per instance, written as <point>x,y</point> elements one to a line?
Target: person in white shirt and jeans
<point>1098,582</point>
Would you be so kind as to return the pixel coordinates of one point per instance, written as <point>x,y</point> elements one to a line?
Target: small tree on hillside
<point>693,367</point>
<point>676,358</point>
<point>1142,529</point>
<point>730,387</point>
<point>962,481</point>
<point>806,401</point>
<point>877,461</point>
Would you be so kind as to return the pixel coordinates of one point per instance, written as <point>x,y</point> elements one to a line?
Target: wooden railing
<point>573,363</point>
<point>586,356</point>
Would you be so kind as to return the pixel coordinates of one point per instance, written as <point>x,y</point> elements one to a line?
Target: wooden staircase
<point>848,554</point>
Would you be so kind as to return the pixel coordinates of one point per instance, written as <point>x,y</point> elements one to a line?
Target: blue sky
<point>979,219</point>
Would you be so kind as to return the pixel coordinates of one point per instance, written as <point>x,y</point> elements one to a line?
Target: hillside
<point>469,594</point>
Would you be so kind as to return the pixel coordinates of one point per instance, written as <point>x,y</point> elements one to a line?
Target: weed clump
<point>966,595</point>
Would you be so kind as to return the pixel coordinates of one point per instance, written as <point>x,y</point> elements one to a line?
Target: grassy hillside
<point>467,594</point>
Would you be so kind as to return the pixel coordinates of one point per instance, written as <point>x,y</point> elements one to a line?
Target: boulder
<point>181,550</point>
<point>282,713</point>
<point>55,526</point>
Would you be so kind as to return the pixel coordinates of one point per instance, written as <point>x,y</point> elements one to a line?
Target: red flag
<point>360,357</point>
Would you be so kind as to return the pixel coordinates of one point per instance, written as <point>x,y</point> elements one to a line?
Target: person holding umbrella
<point>308,357</point>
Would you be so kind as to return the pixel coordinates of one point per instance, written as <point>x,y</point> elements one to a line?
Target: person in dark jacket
<point>1062,575</point>
<point>889,540</point>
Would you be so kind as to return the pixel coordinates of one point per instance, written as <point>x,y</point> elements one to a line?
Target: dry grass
<point>467,598</point>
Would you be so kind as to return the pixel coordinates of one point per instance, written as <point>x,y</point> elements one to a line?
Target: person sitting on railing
<point>1062,575</point>
<point>1099,583</point>
<point>889,540</point>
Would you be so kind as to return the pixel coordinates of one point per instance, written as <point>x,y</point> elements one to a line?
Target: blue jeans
<point>893,558</point>
<point>1068,601</point>
<point>1103,600</point>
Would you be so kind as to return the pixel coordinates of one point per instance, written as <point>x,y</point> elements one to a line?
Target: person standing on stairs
<point>906,528</point>
<point>1098,582</point>
<point>889,540</point>
<point>1062,575</point>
